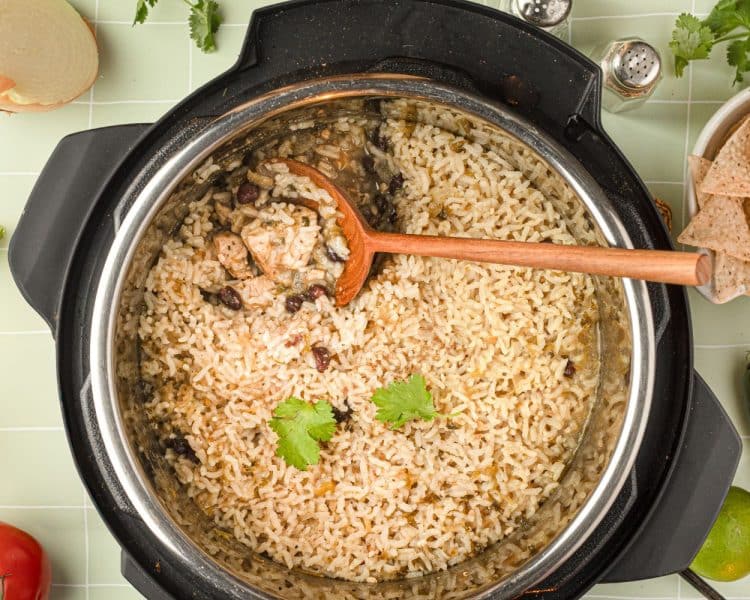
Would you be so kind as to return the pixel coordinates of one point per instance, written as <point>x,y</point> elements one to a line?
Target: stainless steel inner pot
<point>607,448</point>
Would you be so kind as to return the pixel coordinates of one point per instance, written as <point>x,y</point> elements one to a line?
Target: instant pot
<point>658,454</point>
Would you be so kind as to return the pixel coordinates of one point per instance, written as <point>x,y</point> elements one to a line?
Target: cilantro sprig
<point>693,39</point>
<point>204,20</point>
<point>404,401</point>
<point>301,426</point>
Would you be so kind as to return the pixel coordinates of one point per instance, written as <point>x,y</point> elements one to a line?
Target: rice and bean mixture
<point>510,352</point>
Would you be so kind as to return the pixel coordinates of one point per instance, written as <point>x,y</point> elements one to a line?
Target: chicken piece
<point>223,213</point>
<point>312,276</point>
<point>232,254</point>
<point>282,239</point>
<point>257,291</point>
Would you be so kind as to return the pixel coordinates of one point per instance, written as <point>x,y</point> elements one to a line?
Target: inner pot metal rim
<point>160,187</point>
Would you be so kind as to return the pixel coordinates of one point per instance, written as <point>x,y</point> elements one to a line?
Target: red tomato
<point>25,573</point>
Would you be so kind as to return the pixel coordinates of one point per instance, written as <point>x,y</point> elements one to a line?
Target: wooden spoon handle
<point>664,266</point>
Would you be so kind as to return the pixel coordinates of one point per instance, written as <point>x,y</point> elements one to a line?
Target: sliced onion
<point>48,55</point>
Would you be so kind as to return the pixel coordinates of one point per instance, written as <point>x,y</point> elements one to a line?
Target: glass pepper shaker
<point>550,15</point>
<point>631,70</point>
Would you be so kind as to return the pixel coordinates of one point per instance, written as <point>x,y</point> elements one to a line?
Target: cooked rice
<point>493,343</point>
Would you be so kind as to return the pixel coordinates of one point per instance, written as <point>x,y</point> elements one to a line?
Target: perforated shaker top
<point>543,13</point>
<point>636,64</point>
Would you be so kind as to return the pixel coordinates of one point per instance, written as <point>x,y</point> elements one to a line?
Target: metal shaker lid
<point>636,64</point>
<point>543,13</point>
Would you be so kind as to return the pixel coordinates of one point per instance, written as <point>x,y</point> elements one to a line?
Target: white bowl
<point>711,139</point>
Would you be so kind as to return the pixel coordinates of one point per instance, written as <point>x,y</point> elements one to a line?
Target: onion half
<point>48,55</point>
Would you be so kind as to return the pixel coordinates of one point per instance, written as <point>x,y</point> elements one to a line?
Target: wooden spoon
<point>664,266</point>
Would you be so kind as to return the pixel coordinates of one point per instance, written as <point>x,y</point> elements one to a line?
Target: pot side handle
<point>674,531</point>
<point>44,241</point>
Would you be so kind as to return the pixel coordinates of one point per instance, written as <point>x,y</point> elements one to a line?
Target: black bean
<point>315,291</point>
<point>247,193</point>
<point>379,141</point>
<point>331,254</point>
<point>181,447</point>
<point>207,296</point>
<point>386,209</point>
<point>372,105</point>
<point>247,159</point>
<point>230,298</point>
<point>381,202</point>
<point>294,303</point>
<point>368,163</point>
<point>322,357</point>
<point>342,416</point>
<point>570,369</point>
<point>396,183</point>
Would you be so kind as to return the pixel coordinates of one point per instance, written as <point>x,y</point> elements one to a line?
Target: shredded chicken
<point>232,254</point>
<point>257,291</point>
<point>279,242</point>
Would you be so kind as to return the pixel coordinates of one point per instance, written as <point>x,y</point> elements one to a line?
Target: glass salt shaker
<point>631,71</point>
<point>550,15</point>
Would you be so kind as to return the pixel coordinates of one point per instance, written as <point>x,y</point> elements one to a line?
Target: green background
<point>144,71</point>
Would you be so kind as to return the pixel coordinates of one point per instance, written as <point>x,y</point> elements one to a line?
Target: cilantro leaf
<point>141,10</point>
<point>727,15</point>
<point>737,56</point>
<point>300,426</point>
<point>404,401</point>
<point>204,23</point>
<point>691,40</point>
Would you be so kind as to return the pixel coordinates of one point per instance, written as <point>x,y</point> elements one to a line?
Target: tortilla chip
<point>731,277</point>
<point>699,166</point>
<point>729,175</point>
<point>721,226</point>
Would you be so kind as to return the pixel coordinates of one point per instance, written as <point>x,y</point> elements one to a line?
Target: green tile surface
<point>130,70</point>
<point>15,190</point>
<point>27,370</point>
<point>652,138</point>
<point>15,314</point>
<point>145,69</point>
<point>62,533</point>
<point>51,481</point>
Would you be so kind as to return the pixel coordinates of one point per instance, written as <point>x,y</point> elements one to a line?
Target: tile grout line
<point>31,429</point>
<point>153,23</point>
<point>40,507</point>
<point>83,489</point>
<point>633,16</point>
<point>28,332</point>
<point>91,585</point>
<point>91,91</point>
<point>116,102</point>
<point>86,542</point>
<point>685,149</point>
<point>684,191</point>
<point>190,65</point>
<point>721,346</point>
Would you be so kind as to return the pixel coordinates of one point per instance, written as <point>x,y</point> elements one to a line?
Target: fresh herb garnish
<point>404,401</point>
<point>300,426</point>
<point>693,39</point>
<point>2,232</point>
<point>204,20</point>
